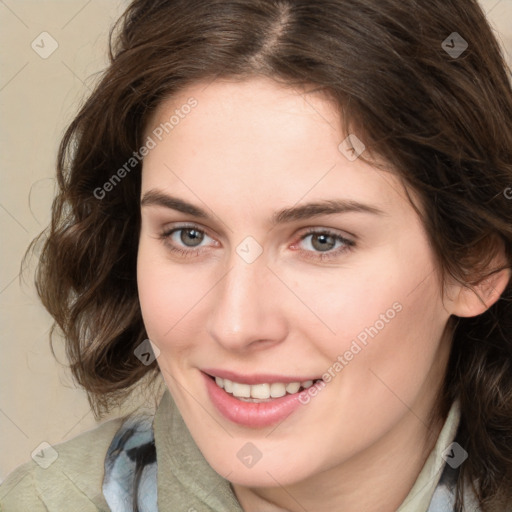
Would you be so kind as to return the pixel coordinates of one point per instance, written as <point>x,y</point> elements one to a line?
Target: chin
<point>263,473</point>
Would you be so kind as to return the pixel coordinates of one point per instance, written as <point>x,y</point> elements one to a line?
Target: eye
<point>324,244</point>
<point>185,240</point>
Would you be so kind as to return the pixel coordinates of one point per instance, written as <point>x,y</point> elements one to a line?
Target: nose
<point>247,311</point>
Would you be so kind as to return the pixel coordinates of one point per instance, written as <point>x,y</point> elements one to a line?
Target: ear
<point>477,297</point>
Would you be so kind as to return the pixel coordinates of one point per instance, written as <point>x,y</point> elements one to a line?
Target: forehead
<point>258,139</point>
<point>261,107</point>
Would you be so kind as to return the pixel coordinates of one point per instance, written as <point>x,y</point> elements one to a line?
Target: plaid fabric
<point>444,495</point>
<point>130,482</point>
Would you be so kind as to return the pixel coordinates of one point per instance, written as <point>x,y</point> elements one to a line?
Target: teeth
<point>277,389</point>
<point>261,391</point>
<point>241,390</point>
<point>293,387</point>
<point>228,386</point>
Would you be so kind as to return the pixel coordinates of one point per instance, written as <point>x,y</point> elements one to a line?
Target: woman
<point>305,206</point>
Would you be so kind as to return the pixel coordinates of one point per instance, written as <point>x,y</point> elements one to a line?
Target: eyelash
<point>322,256</point>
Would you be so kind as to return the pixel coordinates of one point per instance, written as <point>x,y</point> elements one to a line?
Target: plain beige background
<point>38,98</point>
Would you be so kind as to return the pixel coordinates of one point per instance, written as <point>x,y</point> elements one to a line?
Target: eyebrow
<point>294,213</point>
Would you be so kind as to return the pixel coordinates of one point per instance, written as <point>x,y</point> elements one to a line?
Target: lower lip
<point>250,414</point>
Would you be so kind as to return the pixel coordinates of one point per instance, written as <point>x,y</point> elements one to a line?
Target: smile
<point>265,391</point>
<point>260,401</point>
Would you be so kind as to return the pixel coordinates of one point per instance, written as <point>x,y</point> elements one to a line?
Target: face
<point>269,257</point>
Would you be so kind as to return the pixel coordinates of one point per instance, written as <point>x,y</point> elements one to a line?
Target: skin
<point>247,150</point>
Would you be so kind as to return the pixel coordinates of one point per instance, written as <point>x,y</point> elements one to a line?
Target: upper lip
<point>255,378</point>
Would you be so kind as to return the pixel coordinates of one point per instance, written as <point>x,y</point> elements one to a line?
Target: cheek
<point>386,315</point>
<point>166,296</point>
<point>360,301</point>
<point>390,359</point>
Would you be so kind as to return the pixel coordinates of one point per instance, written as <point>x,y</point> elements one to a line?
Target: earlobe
<point>473,300</point>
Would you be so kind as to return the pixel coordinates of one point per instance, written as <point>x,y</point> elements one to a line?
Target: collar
<point>184,475</point>
<point>422,492</point>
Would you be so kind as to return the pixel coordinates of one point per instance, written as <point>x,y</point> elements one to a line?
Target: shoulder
<point>66,476</point>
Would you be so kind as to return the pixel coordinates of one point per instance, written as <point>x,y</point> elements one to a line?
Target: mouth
<point>259,401</point>
<point>262,392</point>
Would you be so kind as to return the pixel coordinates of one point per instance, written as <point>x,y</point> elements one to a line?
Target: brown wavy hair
<point>443,121</point>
